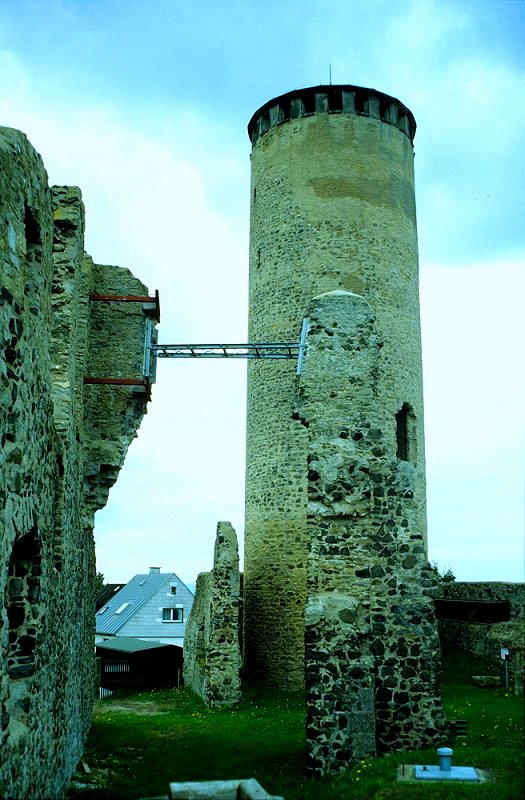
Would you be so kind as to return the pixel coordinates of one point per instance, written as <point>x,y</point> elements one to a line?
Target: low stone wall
<point>212,654</point>
<point>491,590</point>
<point>62,445</point>
<point>485,640</point>
<point>372,650</point>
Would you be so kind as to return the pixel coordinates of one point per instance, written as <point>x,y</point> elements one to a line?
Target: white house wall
<point>148,624</point>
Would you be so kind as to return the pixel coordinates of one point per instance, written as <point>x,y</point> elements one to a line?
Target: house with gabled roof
<point>106,593</point>
<point>152,607</point>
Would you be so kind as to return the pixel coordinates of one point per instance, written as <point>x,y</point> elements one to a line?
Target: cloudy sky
<point>144,105</point>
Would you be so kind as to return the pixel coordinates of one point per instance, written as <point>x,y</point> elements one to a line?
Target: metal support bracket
<point>302,346</point>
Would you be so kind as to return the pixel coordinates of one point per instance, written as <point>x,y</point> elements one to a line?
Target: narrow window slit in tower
<point>361,103</point>
<point>263,123</point>
<point>309,104</point>
<point>335,101</point>
<point>405,433</point>
<point>384,111</point>
<point>31,228</point>
<point>285,111</point>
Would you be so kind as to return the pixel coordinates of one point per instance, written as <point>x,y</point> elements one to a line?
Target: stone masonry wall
<point>372,649</point>
<point>485,640</point>
<point>52,478</point>
<point>490,590</point>
<point>332,207</point>
<point>212,656</point>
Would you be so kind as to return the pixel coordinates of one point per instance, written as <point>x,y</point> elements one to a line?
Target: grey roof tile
<point>135,594</point>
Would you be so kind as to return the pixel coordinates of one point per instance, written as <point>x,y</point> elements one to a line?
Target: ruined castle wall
<point>332,207</point>
<point>212,656</point>
<point>372,649</point>
<point>111,412</point>
<point>489,590</point>
<point>195,651</point>
<point>485,640</point>
<point>47,559</point>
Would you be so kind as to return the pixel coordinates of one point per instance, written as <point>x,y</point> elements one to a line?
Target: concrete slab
<point>433,773</point>
<point>406,773</point>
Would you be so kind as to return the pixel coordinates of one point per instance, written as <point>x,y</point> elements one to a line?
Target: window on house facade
<point>173,589</point>
<point>172,615</point>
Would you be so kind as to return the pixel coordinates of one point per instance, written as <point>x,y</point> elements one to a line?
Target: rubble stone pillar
<point>212,650</point>
<point>372,648</point>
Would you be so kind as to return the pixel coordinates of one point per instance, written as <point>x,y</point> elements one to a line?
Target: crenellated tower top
<point>331,99</point>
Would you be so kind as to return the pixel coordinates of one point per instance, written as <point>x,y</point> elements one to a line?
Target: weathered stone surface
<point>340,718</point>
<point>332,207</point>
<point>212,656</point>
<point>51,478</point>
<point>372,650</point>
<point>112,413</point>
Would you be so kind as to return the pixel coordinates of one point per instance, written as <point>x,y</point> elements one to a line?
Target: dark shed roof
<point>125,644</point>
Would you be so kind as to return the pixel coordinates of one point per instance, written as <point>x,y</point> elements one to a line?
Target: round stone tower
<point>332,207</point>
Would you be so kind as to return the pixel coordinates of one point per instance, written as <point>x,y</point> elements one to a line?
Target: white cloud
<point>477,525</point>
<point>146,204</point>
<point>473,334</point>
<point>423,27</point>
<point>166,190</point>
<point>469,160</point>
<point>148,207</point>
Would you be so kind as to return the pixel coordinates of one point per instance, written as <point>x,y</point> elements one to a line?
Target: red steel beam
<point>117,381</point>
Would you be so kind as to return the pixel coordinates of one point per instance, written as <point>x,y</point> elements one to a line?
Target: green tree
<point>99,582</point>
<point>443,576</point>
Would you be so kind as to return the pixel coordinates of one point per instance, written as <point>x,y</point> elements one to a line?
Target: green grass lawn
<point>141,742</point>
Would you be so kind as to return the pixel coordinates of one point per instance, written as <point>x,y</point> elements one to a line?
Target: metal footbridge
<point>153,350</point>
<point>257,350</point>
